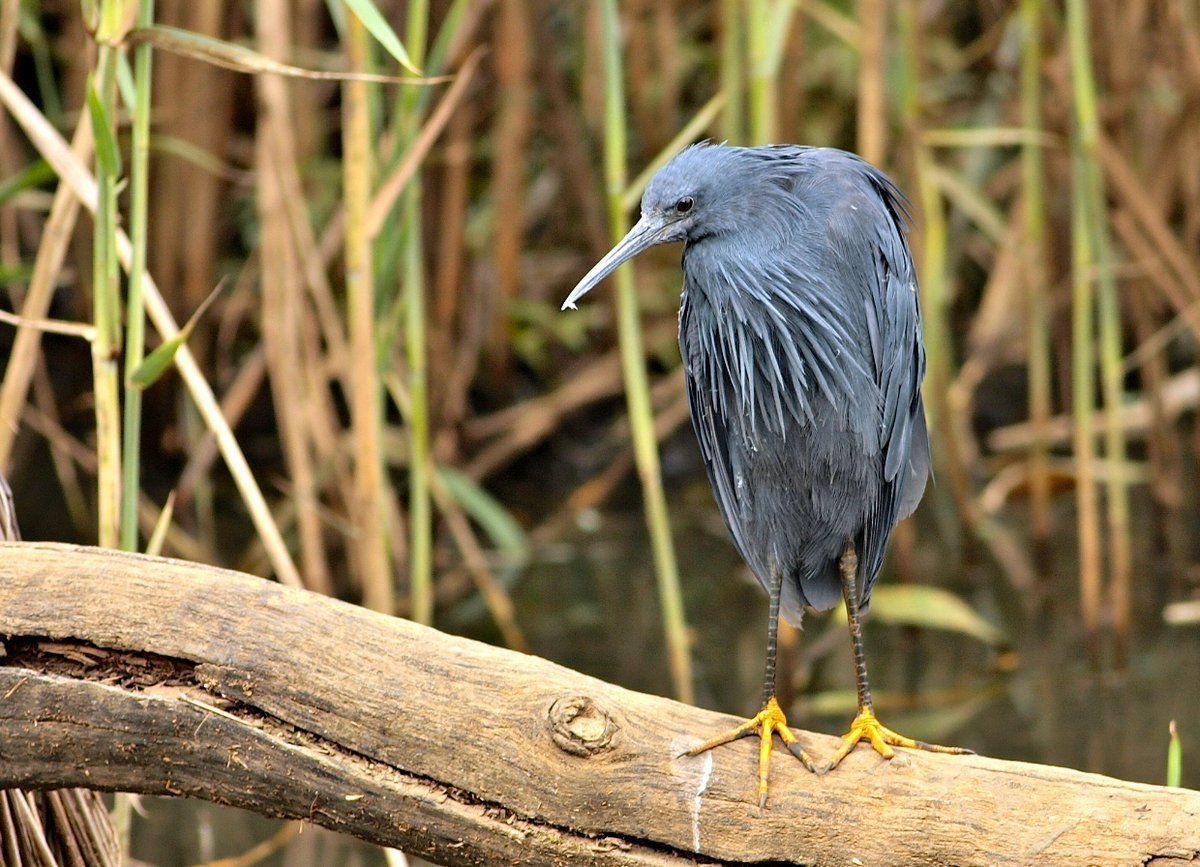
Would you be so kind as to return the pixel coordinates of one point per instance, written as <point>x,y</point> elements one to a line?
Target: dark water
<point>589,601</point>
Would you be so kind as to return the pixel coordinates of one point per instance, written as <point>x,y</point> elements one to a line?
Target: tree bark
<point>143,674</point>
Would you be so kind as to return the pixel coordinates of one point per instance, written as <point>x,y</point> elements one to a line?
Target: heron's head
<point>690,197</point>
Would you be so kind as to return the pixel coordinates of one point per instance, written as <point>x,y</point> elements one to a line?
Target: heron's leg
<point>771,719</point>
<point>866,727</point>
<point>848,573</point>
<point>775,594</point>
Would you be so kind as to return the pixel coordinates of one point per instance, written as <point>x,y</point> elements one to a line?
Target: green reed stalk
<point>1038,318</point>
<point>637,391</point>
<point>135,311</point>
<point>106,284</point>
<point>1174,757</point>
<point>761,77</point>
<point>935,300</point>
<point>934,285</point>
<point>104,109</point>
<point>420,517</point>
<point>1095,216</point>
<point>1120,543</point>
<point>1083,355</point>
<point>733,83</point>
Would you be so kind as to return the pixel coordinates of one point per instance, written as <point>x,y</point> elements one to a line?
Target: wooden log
<point>145,674</point>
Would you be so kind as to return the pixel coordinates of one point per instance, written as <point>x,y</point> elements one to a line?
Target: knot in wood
<point>580,727</point>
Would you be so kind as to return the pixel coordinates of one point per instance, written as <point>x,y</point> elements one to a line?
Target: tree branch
<point>144,674</point>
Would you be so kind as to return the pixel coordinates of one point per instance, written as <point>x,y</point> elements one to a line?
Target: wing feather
<point>705,400</point>
<point>895,314</point>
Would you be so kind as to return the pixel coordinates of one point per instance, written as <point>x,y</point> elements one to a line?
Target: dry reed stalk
<point>592,493</point>
<point>367,510</point>
<point>1092,264</point>
<point>319,322</point>
<point>1083,430</point>
<point>200,112</point>
<point>282,292</point>
<point>1036,278</point>
<point>238,397</point>
<point>668,75</point>
<point>52,251</point>
<point>10,16</point>
<point>333,463</point>
<point>511,133</point>
<point>795,96</point>
<point>183,240</point>
<point>590,73</point>
<point>639,68</point>
<point>871,117</point>
<point>538,418</point>
<point>50,428</point>
<point>454,198</point>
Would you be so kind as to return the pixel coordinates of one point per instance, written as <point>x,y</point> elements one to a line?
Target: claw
<point>867,727</point>
<point>770,720</point>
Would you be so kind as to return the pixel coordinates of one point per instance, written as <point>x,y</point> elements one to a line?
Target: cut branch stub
<point>580,726</point>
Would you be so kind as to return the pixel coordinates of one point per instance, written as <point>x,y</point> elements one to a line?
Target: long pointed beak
<point>646,233</point>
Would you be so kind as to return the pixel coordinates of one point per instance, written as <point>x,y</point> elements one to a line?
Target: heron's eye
<point>684,205</point>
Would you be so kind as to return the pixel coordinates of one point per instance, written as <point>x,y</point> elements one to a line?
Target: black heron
<point>801,340</point>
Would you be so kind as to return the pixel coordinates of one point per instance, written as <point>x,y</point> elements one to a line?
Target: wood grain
<point>146,674</point>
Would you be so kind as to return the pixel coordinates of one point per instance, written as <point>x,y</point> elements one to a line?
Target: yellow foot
<point>866,727</point>
<point>769,719</point>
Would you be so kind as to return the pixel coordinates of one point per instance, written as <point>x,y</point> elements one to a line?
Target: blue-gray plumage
<point>801,340</point>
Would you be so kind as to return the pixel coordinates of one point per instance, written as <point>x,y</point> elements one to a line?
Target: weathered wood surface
<point>152,675</point>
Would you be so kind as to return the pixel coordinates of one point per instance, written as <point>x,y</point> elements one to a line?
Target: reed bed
<point>394,198</point>
<point>337,318</point>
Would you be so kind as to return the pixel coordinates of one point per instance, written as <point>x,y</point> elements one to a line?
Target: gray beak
<point>646,233</point>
